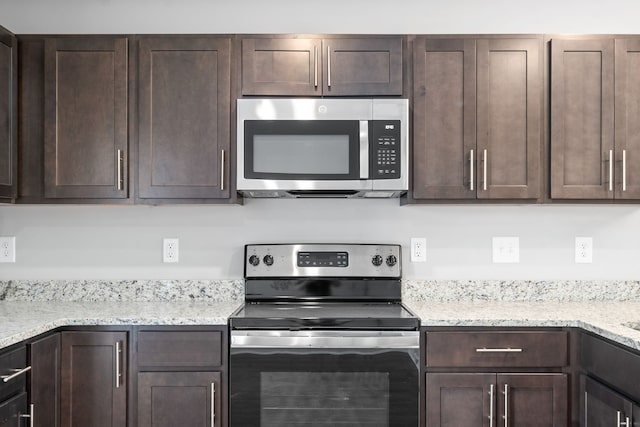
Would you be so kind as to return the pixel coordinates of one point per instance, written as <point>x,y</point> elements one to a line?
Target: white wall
<point>123,242</point>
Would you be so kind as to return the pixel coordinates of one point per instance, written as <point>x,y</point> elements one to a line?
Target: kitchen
<point>116,245</point>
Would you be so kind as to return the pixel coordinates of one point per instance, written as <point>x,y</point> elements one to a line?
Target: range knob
<point>376,260</point>
<point>268,260</point>
<point>254,260</point>
<point>391,260</point>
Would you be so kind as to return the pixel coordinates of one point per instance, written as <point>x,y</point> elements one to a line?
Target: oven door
<point>324,378</point>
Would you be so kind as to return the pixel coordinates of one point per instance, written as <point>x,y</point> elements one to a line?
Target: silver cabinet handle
<point>610,170</point>
<point>120,181</point>
<point>315,66</point>
<point>222,170</point>
<point>16,373</point>
<point>485,157</point>
<point>626,423</point>
<point>329,66</point>
<point>213,404</point>
<point>498,350</point>
<point>490,405</point>
<point>471,169</point>
<point>506,405</point>
<point>624,170</point>
<point>118,351</point>
<point>30,416</point>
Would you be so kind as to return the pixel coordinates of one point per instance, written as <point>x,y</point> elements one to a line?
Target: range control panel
<point>322,260</point>
<point>385,145</point>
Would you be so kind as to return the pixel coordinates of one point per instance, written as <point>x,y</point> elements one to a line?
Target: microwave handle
<point>364,149</point>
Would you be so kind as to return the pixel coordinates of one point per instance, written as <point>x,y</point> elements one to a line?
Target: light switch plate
<point>506,250</point>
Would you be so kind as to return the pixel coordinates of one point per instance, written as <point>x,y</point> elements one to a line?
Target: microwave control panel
<point>385,149</point>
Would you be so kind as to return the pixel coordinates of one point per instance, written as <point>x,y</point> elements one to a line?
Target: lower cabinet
<point>12,411</point>
<point>179,399</point>
<point>93,379</point>
<point>489,400</point>
<point>44,390</point>
<point>604,407</point>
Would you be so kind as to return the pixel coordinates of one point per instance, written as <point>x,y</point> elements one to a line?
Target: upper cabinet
<point>477,118</point>
<point>8,115</point>
<point>366,66</point>
<point>595,134</point>
<point>184,118</point>
<point>85,118</point>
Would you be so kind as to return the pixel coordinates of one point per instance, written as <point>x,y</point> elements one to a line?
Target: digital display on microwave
<point>301,154</point>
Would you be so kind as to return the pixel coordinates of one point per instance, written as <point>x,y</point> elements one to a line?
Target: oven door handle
<point>325,339</point>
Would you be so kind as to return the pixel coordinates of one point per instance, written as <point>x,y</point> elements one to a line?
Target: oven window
<point>324,398</point>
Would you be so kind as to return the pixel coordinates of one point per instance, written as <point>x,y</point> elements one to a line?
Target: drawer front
<point>497,349</point>
<point>10,363</point>
<point>11,410</point>
<point>179,348</point>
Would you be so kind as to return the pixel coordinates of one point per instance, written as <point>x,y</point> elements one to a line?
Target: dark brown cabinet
<point>477,118</point>
<point>604,407</point>
<point>8,115</point>
<point>85,118</point>
<point>45,380</point>
<point>184,118</point>
<point>365,66</point>
<point>93,379</point>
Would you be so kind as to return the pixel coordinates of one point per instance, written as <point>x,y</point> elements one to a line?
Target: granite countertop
<point>609,319</point>
<point>21,320</point>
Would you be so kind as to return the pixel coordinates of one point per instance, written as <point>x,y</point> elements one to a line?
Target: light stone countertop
<point>21,320</point>
<point>611,320</point>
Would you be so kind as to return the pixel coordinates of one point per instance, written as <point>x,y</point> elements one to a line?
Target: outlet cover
<point>584,250</point>
<point>8,249</point>
<point>418,249</point>
<point>506,250</point>
<point>170,250</point>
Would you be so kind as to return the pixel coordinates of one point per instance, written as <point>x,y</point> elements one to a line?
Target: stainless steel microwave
<point>323,147</point>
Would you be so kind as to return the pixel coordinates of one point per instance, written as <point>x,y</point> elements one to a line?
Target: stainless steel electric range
<point>323,339</point>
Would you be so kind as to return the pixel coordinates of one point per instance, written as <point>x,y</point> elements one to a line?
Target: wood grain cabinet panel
<point>536,400</point>
<point>45,356</point>
<point>93,380</point>
<point>85,105</point>
<point>8,115</point>
<point>184,118</point>
<point>461,400</point>
<point>601,405</point>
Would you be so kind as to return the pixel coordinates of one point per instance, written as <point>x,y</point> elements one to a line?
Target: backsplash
<point>233,290</point>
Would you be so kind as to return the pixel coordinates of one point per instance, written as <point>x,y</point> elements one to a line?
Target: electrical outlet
<point>418,249</point>
<point>170,250</point>
<point>506,250</point>
<point>8,249</point>
<point>584,250</point>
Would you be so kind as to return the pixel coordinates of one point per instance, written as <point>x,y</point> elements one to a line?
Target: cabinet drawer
<point>11,410</point>
<point>179,348</point>
<point>496,349</point>
<point>10,363</point>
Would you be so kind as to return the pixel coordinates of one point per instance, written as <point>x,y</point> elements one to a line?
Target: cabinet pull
<point>498,350</point>
<point>119,161</point>
<point>626,423</point>
<point>118,351</point>
<point>222,170</point>
<point>213,404</point>
<point>610,170</point>
<point>485,157</point>
<point>16,373</point>
<point>30,416</point>
<point>471,170</point>
<point>329,67</point>
<point>506,405</point>
<point>624,170</point>
<point>490,405</point>
<point>315,67</point>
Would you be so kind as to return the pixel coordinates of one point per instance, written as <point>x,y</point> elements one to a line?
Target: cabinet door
<point>93,382</point>
<point>444,119</point>
<point>8,115</point>
<point>276,66</point>
<point>85,118</point>
<point>535,400</point>
<point>509,113</point>
<point>582,121</point>
<point>184,117</point>
<point>45,381</point>
<point>636,416</point>
<point>167,399</point>
<point>364,66</point>
<point>13,410</point>
<point>461,400</point>
<point>601,405</point>
<point>627,135</point>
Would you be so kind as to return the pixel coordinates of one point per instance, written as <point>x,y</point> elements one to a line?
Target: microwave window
<point>301,154</point>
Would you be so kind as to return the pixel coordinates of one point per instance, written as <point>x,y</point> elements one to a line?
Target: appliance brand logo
<point>389,127</point>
